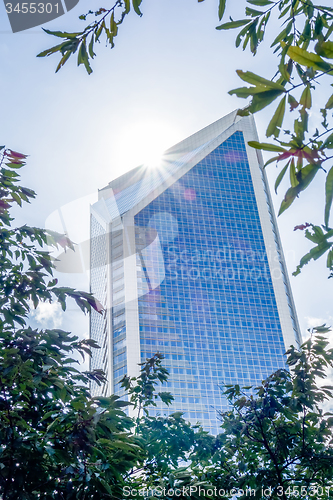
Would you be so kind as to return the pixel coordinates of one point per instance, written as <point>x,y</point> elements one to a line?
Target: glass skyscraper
<point>187,261</point>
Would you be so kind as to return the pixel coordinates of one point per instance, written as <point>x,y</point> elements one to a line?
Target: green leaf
<point>282,35</point>
<point>61,34</point>
<point>293,179</point>
<point>288,199</point>
<point>325,49</point>
<point>263,99</point>
<point>304,177</point>
<point>105,485</point>
<point>280,176</point>
<point>276,122</point>
<point>17,199</point>
<point>52,50</point>
<point>82,57</point>
<point>307,174</point>
<point>260,3</point>
<point>48,415</point>
<point>253,12</point>
<point>113,25</point>
<point>266,147</point>
<point>329,262</point>
<point>283,68</point>
<point>136,4</point>
<point>253,79</point>
<point>243,92</point>
<point>329,104</point>
<point>91,47</point>
<point>127,5</point>
<point>328,143</point>
<point>232,24</point>
<point>305,99</point>
<point>314,254</point>
<point>328,194</point>
<point>308,59</point>
<point>222,4</point>
<point>272,160</point>
<point>62,61</point>
<point>292,101</point>
<point>99,30</point>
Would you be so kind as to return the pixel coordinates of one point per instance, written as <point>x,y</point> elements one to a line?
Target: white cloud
<point>47,314</point>
<point>312,322</point>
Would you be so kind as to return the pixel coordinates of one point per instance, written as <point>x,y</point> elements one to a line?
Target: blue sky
<point>167,77</point>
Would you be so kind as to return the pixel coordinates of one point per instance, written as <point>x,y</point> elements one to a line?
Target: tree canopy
<point>56,441</point>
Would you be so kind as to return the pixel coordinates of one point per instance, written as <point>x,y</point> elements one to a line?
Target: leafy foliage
<point>107,22</point>
<point>304,50</point>
<point>278,440</point>
<point>275,441</point>
<point>166,440</point>
<point>56,441</point>
<point>320,236</point>
<point>142,389</point>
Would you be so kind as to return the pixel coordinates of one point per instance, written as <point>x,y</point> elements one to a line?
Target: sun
<point>144,142</point>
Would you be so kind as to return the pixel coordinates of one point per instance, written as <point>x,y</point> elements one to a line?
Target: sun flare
<point>144,142</point>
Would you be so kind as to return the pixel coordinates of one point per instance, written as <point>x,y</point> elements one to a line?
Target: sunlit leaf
<point>257,80</point>
<point>325,49</point>
<point>328,194</point>
<point>242,92</point>
<point>309,59</point>
<point>289,198</point>
<point>329,104</point>
<point>266,146</point>
<point>305,99</point>
<point>304,178</point>
<point>293,179</point>
<point>280,176</point>
<point>277,119</point>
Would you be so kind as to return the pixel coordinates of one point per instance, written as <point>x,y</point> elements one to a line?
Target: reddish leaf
<point>15,154</point>
<point>4,204</point>
<point>302,226</point>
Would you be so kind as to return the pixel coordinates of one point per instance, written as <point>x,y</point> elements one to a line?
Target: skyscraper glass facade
<point>205,296</point>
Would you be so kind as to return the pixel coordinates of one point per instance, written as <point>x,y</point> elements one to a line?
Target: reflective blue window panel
<point>214,317</point>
